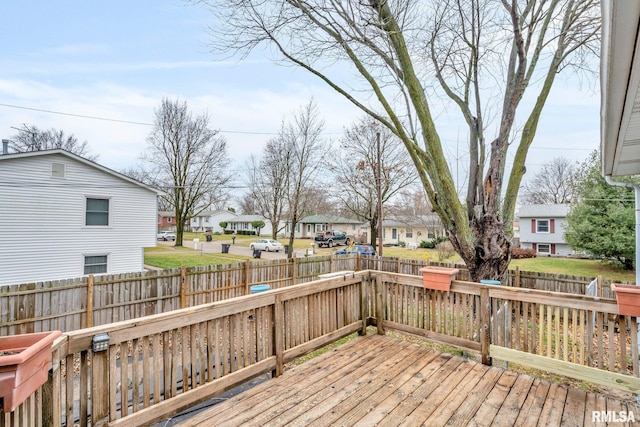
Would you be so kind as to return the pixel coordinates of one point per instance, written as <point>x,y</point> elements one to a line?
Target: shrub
<point>518,253</point>
<point>428,244</point>
<point>445,250</point>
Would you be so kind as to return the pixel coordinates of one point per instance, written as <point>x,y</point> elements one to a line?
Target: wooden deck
<point>376,380</point>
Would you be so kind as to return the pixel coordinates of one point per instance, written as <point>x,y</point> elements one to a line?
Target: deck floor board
<point>382,381</point>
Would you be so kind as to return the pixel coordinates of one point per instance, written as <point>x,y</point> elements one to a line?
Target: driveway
<point>216,247</point>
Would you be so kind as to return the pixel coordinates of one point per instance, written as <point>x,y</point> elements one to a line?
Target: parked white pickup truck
<point>166,235</point>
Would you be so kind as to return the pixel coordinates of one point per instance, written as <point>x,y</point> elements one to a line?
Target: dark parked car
<point>357,249</point>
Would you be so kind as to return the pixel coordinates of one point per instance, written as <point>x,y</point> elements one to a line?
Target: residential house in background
<point>411,229</point>
<point>542,229</point>
<point>243,222</point>
<point>166,221</point>
<point>63,216</point>
<point>209,221</point>
<point>308,226</point>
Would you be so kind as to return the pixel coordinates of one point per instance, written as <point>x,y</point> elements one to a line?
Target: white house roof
<point>544,211</point>
<point>328,219</point>
<point>412,221</point>
<point>42,153</point>
<point>620,88</point>
<point>216,212</point>
<point>247,218</point>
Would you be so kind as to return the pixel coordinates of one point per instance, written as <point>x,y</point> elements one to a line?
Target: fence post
<point>331,263</point>
<point>517,281</point>
<point>247,271</point>
<point>294,272</point>
<point>183,286</point>
<point>485,325</point>
<point>599,290</point>
<point>90,301</point>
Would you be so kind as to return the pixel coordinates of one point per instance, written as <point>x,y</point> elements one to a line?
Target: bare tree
<point>247,204</point>
<point>554,183</point>
<point>31,138</point>
<point>471,52</point>
<point>187,160</point>
<point>268,182</point>
<point>355,170</point>
<point>304,148</point>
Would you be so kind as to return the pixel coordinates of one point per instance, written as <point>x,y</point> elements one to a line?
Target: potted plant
<point>24,365</point>
<point>628,299</point>
<point>438,278</point>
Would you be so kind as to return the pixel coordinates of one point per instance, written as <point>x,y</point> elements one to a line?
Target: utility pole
<point>379,185</point>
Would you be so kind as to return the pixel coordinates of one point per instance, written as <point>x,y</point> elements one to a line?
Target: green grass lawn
<point>167,256</point>
<point>575,267</point>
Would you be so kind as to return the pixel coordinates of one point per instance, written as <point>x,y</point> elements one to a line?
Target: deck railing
<point>159,365</point>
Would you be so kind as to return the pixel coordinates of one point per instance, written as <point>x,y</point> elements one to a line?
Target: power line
<point>75,115</point>
<point>83,116</point>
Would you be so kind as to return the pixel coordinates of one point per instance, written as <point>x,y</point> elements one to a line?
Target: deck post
<point>100,388</point>
<point>380,308</point>
<point>485,320</point>
<point>278,338</point>
<point>363,306</point>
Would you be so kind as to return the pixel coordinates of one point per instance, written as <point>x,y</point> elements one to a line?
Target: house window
<point>57,170</point>
<point>97,212</point>
<point>431,235</point>
<point>544,248</point>
<point>409,232</point>
<point>542,226</point>
<point>95,264</point>
<point>170,219</point>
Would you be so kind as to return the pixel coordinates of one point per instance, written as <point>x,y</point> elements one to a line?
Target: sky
<point>64,61</point>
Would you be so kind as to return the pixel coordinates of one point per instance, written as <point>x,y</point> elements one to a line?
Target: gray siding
<point>42,220</point>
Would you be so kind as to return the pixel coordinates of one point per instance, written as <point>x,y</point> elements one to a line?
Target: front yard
<point>168,256</point>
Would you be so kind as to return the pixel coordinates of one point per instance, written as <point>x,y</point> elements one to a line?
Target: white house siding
<point>556,237</point>
<point>243,222</point>
<point>210,220</point>
<point>42,219</point>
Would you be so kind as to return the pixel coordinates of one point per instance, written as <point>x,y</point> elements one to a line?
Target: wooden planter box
<point>24,366</point>
<point>438,278</point>
<point>628,299</point>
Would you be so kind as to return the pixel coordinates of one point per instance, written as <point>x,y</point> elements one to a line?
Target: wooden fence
<point>73,304</point>
<point>159,365</point>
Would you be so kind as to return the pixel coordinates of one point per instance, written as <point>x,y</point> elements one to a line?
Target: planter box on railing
<point>438,278</point>
<point>24,365</point>
<point>628,299</point>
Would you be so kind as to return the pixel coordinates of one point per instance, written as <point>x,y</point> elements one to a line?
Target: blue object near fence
<point>491,282</point>
<point>259,288</point>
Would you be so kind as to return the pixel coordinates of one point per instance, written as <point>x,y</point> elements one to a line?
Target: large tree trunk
<point>491,252</point>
